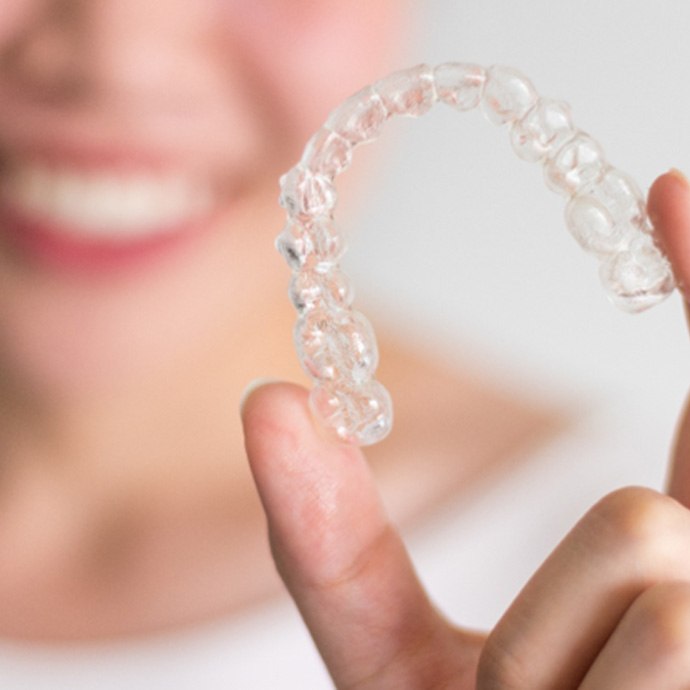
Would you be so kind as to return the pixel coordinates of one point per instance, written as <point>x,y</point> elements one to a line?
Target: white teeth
<point>105,204</point>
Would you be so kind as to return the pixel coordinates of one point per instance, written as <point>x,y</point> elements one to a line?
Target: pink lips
<point>46,245</point>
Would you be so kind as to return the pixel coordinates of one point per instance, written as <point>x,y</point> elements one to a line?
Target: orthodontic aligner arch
<point>605,213</point>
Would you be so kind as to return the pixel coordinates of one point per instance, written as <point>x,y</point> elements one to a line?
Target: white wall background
<point>462,235</point>
<point>460,241</point>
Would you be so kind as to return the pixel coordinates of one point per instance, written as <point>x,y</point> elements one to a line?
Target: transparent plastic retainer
<point>605,212</point>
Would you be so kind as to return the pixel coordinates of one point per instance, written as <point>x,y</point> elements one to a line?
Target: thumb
<point>669,210</point>
<point>342,561</point>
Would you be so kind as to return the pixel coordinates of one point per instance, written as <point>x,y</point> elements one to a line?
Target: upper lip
<point>117,156</point>
<point>86,156</point>
<point>100,138</point>
<point>128,139</point>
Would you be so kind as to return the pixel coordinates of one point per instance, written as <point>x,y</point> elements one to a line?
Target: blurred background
<point>460,240</point>
<point>460,233</point>
<point>459,246</point>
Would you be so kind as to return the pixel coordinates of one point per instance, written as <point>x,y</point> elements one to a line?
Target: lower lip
<point>41,243</point>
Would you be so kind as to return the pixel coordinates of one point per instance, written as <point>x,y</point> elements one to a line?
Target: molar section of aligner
<point>331,290</point>
<point>460,84</point>
<point>336,346</point>
<point>508,95</point>
<point>410,92</point>
<point>544,128</point>
<point>608,215</point>
<point>577,163</point>
<point>638,277</point>
<point>327,153</point>
<point>361,414</point>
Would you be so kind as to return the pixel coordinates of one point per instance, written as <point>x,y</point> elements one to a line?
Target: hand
<point>610,608</point>
<point>669,209</point>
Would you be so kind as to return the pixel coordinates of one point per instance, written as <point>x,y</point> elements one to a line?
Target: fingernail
<point>679,176</point>
<point>252,386</point>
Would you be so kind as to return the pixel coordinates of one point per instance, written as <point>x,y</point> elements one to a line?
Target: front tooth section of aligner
<point>360,118</point>
<point>327,153</point>
<point>306,194</point>
<point>360,414</point>
<point>460,84</point>
<point>408,92</point>
<point>507,95</point>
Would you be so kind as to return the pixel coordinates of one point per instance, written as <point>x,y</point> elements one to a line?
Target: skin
<point>117,494</point>
<point>126,502</point>
<point>610,608</point>
<point>124,476</point>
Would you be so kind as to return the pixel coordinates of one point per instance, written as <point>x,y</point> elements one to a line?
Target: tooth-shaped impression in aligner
<point>605,213</point>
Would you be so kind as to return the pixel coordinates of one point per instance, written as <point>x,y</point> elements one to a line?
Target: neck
<point>172,425</point>
<point>131,481</point>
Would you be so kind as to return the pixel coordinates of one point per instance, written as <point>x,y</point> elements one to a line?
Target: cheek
<point>14,14</point>
<point>310,55</point>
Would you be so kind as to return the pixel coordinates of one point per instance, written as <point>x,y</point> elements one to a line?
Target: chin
<point>66,333</point>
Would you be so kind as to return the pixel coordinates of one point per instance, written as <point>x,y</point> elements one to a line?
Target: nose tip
<point>104,47</point>
<point>40,56</point>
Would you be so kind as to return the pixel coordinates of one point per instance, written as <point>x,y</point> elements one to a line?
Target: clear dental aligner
<point>605,212</point>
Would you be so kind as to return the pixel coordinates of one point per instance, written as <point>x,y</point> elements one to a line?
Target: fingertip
<point>669,210</point>
<point>252,386</point>
<point>679,176</point>
<point>270,398</point>
<point>304,478</point>
<point>668,202</point>
<point>276,415</point>
<point>277,426</point>
<point>319,496</point>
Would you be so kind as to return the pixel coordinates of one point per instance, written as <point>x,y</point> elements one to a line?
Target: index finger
<point>343,562</point>
<point>669,209</point>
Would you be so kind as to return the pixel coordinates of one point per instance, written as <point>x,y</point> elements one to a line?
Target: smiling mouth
<point>101,204</point>
<point>93,217</point>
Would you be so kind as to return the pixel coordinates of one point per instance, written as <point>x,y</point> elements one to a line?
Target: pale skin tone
<point>126,503</point>
<point>610,608</point>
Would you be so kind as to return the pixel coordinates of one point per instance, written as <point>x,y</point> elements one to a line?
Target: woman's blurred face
<point>140,146</point>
